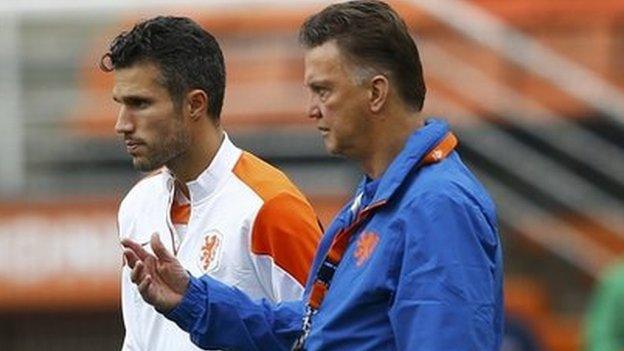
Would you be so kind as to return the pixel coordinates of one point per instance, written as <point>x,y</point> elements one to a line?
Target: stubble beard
<point>163,152</point>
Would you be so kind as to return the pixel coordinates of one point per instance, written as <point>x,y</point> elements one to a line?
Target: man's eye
<point>138,103</point>
<point>322,92</point>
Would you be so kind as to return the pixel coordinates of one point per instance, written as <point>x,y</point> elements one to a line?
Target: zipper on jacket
<point>172,232</point>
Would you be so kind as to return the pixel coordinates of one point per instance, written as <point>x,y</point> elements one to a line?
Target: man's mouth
<point>132,146</point>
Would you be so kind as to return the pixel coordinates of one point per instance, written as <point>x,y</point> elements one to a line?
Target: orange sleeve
<point>287,229</point>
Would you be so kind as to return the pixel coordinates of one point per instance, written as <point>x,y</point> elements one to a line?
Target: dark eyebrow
<point>319,84</point>
<point>131,98</point>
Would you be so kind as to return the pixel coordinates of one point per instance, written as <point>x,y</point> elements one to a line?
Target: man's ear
<point>197,103</point>
<point>379,86</point>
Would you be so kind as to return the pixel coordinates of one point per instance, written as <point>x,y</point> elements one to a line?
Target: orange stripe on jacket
<point>286,227</point>
<point>180,214</point>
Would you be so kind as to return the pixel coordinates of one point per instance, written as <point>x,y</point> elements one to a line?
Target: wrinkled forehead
<point>326,60</point>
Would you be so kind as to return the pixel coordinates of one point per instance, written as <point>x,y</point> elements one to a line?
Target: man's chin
<point>143,165</point>
<point>335,150</point>
<point>332,151</point>
<point>330,147</point>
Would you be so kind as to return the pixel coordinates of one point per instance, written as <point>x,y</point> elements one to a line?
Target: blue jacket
<point>424,272</point>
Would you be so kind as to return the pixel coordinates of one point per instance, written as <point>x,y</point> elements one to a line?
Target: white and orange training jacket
<point>245,224</point>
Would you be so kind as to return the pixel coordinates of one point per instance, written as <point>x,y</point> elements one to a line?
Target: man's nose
<point>314,111</point>
<point>124,122</point>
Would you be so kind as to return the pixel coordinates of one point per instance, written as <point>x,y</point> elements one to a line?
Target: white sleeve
<point>284,237</point>
<point>132,340</point>
<point>276,282</point>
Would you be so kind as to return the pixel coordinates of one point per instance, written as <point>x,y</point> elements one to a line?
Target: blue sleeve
<point>449,286</point>
<point>218,316</point>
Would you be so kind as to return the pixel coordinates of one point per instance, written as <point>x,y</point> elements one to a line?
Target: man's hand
<point>161,279</point>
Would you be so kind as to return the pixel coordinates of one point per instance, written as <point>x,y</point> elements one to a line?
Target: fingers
<point>154,294</point>
<point>144,288</point>
<point>130,257</point>
<point>148,290</point>
<point>143,281</point>
<point>138,273</point>
<point>160,250</point>
<point>135,247</point>
<point>160,279</point>
<point>168,268</point>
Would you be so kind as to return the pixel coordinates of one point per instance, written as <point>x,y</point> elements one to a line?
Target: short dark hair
<point>370,33</point>
<point>187,55</point>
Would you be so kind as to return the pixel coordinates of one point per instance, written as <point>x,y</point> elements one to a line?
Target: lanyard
<point>339,246</point>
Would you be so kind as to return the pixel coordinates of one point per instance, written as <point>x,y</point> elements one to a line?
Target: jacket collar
<point>416,148</point>
<point>211,179</point>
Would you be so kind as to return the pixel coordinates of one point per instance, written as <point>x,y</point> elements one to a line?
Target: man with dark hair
<point>219,210</point>
<point>412,262</point>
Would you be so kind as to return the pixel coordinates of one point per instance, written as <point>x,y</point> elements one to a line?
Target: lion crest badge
<point>210,253</point>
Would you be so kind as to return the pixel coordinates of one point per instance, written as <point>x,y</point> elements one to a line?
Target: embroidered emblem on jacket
<point>211,251</point>
<point>365,246</point>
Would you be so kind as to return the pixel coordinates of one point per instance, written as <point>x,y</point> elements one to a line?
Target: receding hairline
<point>359,70</point>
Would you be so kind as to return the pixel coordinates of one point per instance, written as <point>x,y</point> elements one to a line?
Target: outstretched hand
<point>161,279</point>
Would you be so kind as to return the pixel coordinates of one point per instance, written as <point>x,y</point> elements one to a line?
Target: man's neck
<point>387,143</point>
<point>189,166</point>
